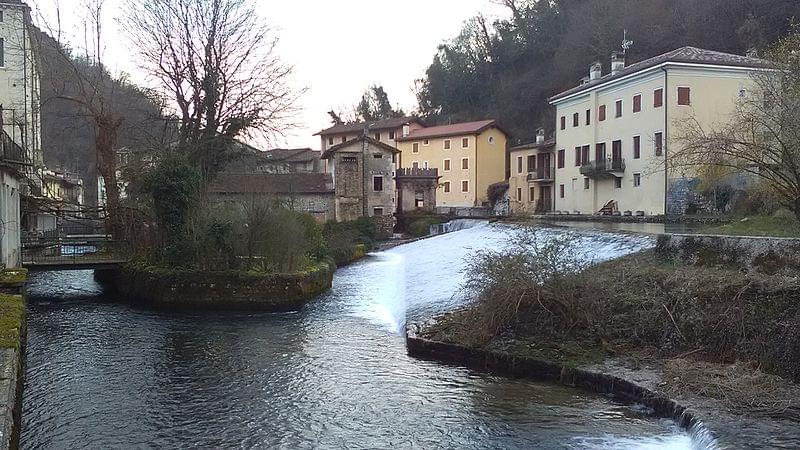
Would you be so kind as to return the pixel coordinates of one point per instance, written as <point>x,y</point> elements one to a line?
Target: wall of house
<point>486,165</point>
<point>19,81</point>
<point>379,135</point>
<point>408,189</point>
<point>10,244</point>
<point>524,195</point>
<point>354,181</point>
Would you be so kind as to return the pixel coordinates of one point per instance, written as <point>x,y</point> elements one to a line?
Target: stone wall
<point>223,290</point>
<point>764,254</point>
<point>13,333</point>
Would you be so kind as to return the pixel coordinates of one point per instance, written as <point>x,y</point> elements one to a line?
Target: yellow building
<point>470,156</point>
<point>614,131</point>
<point>530,185</point>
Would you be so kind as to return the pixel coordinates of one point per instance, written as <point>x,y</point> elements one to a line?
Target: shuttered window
<point>601,113</point>
<point>561,158</point>
<point>684,96</point>
<point>658,98</point>
<point>637,103</point>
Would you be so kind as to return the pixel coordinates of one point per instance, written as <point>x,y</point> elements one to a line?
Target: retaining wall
<point>13,331</point>
<point>223,290</point>
<point>764,254</point>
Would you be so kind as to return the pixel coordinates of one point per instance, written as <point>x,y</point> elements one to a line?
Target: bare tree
<point>217,62</point>
<point>762,135</point>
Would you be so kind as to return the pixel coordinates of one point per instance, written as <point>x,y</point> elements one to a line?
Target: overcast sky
<point>338,48</point>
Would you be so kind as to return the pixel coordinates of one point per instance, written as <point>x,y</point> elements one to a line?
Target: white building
<point>613,131</point>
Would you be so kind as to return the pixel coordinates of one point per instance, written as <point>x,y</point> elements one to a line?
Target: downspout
<point>665,97</point>
<point>364,153</point>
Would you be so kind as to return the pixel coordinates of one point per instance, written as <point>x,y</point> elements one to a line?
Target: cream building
<point>613,132</point>
<point>530,184</point>
<point>470,156</point>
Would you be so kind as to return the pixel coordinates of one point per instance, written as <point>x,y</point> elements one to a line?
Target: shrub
<point>421,227</point>
<point>174,185</point>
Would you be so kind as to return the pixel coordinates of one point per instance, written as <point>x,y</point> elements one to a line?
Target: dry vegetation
<point>536,303</point>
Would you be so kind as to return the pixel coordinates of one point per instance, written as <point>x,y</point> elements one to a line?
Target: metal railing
<point>544,205</point>
<point>11,152</point>
<point>603,167</point>
<point>542,174</point>
<point>77,252</point>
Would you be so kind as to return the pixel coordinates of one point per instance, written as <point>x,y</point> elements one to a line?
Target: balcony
<point>604,168</point>
<point>542,175</point>
<point>544,205</point>
<point>11,154</point>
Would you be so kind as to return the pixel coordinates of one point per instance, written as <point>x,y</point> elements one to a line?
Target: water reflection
<point>103,374</point>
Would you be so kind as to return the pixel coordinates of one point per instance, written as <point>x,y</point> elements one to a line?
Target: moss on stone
<point>12,316</point>
<point>13,277</point>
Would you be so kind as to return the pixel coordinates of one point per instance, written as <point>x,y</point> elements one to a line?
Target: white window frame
<point>374,177</point>
<point>426,142</point>
<point>425,164</point>
<point>633,147</point>
<point>447,165</point>
<point>621,104</point>
<point>655,132</point>
<point>678,95</point>
<point>662,96</point>
<point>466,158</point>
<point>376,208</point>
<point>415,147</point>
<point>633,103</point>
<point>490,139</point>
<point>520,165</point>
<point>447,144</point>
<point>637,175</point>
<point>586,184</point>
<point>519,194</point>
<point>415,164</point>
<point>462,186</point>
<point>446,187</point>
<point>462,142</point>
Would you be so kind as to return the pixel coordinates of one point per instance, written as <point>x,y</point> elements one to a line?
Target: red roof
<point>456,129</point>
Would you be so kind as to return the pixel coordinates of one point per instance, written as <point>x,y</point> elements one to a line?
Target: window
<point>464,142</point>
<point>577,156</point>
<point>618,108</point>
<point>658,98</point>
<point>377,156</point>
<point>531,163</point>
<point>585,154</point>
<point>415,147</point>
<point>465,163</point>
<point>425,164</point>
<point>658,143</point>
<point>2,52</point>
<point>377,136</point>
<point>377,183</point>
<point>616,151</point>
<point>600,152</point>
<point>586,183</point>
<point>601,113</point>
<point>531,193</point>
<point>561,159</point>
<point>563,122</point>
<point>344,139</point>
<point>330,140</point>
<point>637,147</point>
<point>637,180</point>
<point>617,182</point>
<point>637,103</point>
<point>391,135</point>
<point>447,165</point>
<point>684,96</point>
<point>588,116</point>
<point>425,142</point>
<point>491,140</point>
<point>561,190</point>
<point>519,164</point>
<point>377,211</point>
<point>1,16</point>
<point>576,118</point>
<point>465,186</point>
<point>415,165</point>
<point>519,194</point>
<point>446,186</point>
<point>447,144</point>
<point>349,159</point>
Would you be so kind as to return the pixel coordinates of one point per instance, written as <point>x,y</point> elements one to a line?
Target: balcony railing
<point>544,205</point>
<point>603,167</point>
<point>12,153</point>
<point>542,174</point>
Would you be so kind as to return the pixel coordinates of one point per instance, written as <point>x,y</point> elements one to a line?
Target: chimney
<point>584,80</point>
<point>540,136</point>
<point>617,62</point>
<point>595,71</point>
<point>406,130</point>
<point>752,52</point>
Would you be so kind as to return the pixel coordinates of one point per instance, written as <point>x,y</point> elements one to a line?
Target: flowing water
<point>103,374</point>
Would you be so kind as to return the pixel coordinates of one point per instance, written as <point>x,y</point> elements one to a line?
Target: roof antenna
<point>626,44</point>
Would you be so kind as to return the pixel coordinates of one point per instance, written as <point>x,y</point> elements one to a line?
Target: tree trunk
<point>105,141</point>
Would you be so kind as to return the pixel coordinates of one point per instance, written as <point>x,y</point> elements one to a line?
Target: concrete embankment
<point>763,254</point>
<point>12,355</point>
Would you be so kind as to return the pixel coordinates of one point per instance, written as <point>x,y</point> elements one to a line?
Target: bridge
<point>73,248</point>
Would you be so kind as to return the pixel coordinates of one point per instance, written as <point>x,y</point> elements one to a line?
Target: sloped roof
<point>456,129</point>
<point>272,183</point>
<point>289,155</point>
<point>331,150</point>
<point>691,55</point>
<point>378,125</point>
<point>533,145</point>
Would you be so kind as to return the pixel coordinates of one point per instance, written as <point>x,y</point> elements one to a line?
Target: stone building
<point>384,130</point>
<point>363,171</point>
<point>416,190</point>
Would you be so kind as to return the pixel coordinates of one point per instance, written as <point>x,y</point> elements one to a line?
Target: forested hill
<point>508,69</point>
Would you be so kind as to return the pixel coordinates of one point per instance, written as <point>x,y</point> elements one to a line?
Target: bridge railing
<point>74,251</point>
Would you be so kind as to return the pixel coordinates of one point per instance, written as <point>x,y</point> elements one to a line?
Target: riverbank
<point>12,355</point>
<point>720,340</point>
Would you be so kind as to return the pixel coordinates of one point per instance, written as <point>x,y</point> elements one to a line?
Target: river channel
<point>104,374</point>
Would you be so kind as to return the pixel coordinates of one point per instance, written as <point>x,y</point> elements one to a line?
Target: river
<point>103,374</point>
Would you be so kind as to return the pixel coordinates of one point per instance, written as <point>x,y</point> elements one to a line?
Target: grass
<point>13,277</point>
<point>12,315</point>
<point>757,226</point>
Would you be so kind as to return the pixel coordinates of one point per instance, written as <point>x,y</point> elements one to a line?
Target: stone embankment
<point>12,354</point>
<point>763,254</point>
<point>172,289</point>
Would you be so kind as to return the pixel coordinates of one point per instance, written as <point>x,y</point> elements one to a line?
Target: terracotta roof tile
<point>377,125</point>
<point>456,129</point>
